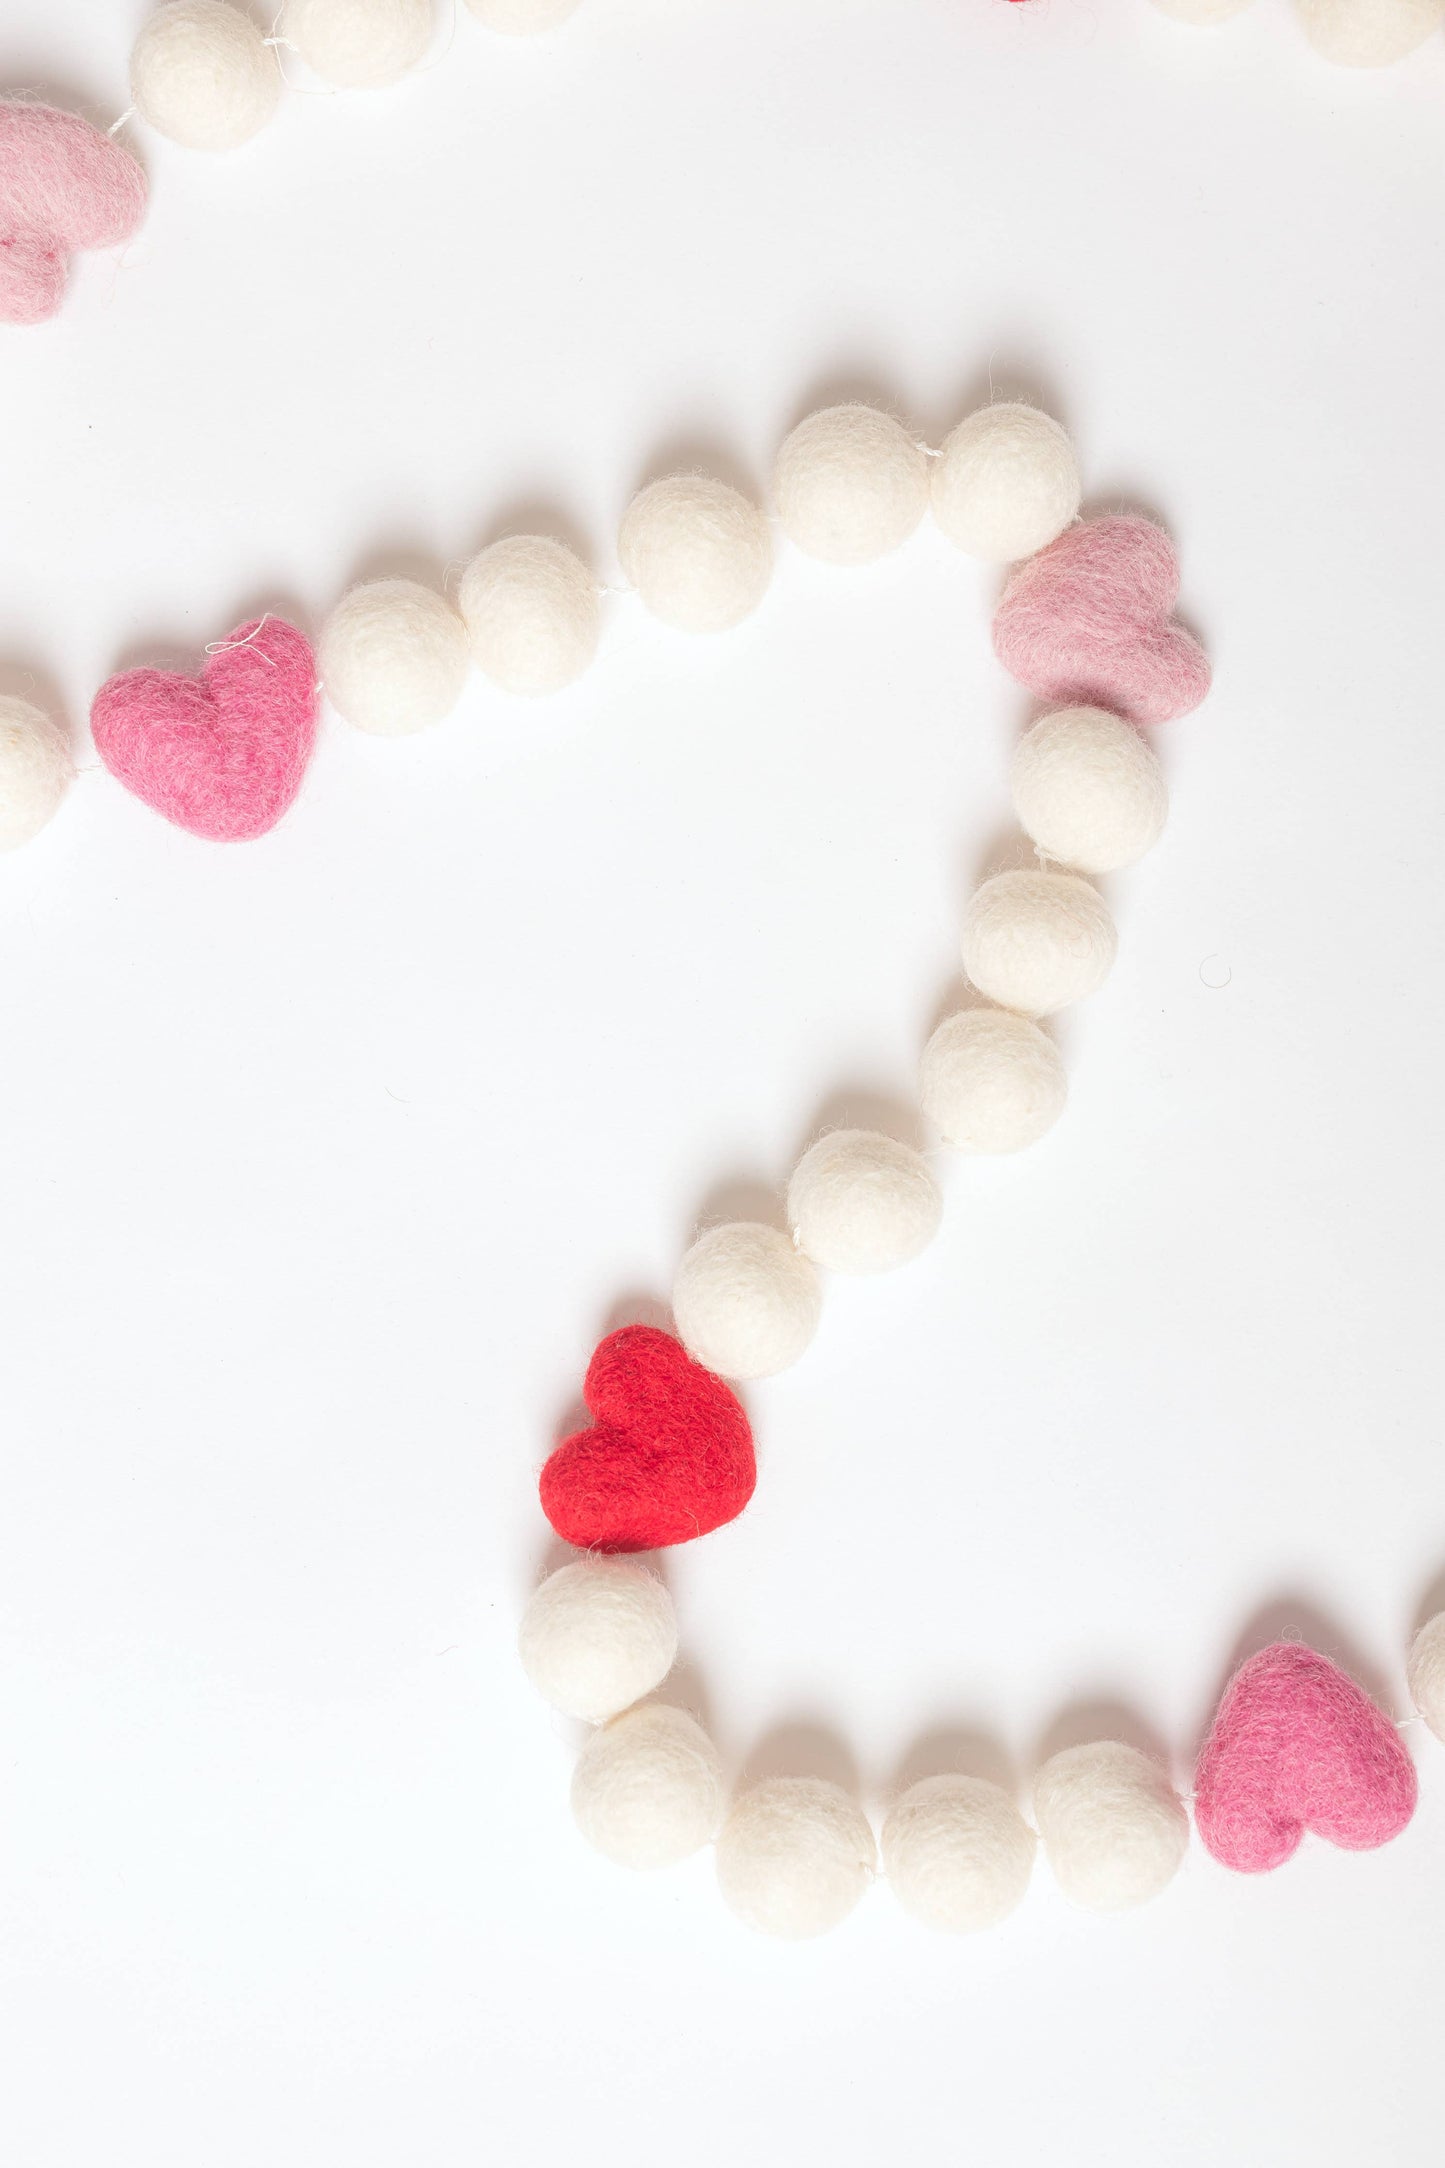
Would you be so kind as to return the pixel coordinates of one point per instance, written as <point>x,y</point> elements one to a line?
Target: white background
<point>326,1159</point>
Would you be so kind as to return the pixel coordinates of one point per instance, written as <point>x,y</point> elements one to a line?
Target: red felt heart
<point>1297,1745</point>
<point>1089,621</point>
<point>63,186</point>
<point>669,1455</point>
<point>221,754</point>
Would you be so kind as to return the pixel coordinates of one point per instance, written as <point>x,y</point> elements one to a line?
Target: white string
<point>224,647</point>
<point>116,126</point>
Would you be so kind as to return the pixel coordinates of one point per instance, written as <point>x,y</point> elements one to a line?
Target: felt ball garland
<point>1296,1746</point>
<point>223,752</point>
<point>204,75</point>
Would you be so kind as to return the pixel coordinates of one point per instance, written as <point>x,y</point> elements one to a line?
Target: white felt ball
<point>698,553</point>
<point>359,44</point>
<point>35,770</point>
<point>393,657</point>
<point>862,1202</point>
<point>1201,11</point>
<point>794,1856</point>
<point>532,613</point>
<point>745,1302</point>
<point>1089,790</point>
<point>850,485</point>
<point>1113,1826</point>
<point>1426,1673</point>
<point>597,1636</point>
<point>1369,33</point>
<point>521,18</point>
<point>1005,483</point>
<point>957,1853</point>
<point>647,1790</point>
<point>992,1081</point>
<point>1037,941</point>
<point>203,74</point>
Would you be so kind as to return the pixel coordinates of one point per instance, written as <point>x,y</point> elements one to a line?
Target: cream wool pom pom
<point>992,1081</point>
<point>862,1202</point>
<point>35,770</point>
<point>647,1790</point>
<point>1114,1828</point>
<point>202,74</point>
<point>1037,941</point>
<point>1005,483</point>
<point>1088,790</point>
<point>957,1853</point>
<point>794,1856</point>
<point>1425,1673</point>
<point>532,613</point>
<point>597,1636</point>
<point>393,657</point>
<point>699,555</point>
<point>1369,33</point>
<point>522,18</point>
<point>359,44</point>
<point>850,485</point>
<point>746,1304</point>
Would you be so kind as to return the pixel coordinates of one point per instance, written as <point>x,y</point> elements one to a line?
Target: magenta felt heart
<point>63,186</point>
<point>1296,1745</point>
<point>221,754</point>
<point>1088,623</point>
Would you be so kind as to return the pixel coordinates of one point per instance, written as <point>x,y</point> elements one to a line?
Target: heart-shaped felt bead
<point>63,186</point>
<point>1296,1745</point>
<point>1088,623</point>
<point>221,754</point>
<point>669,1456</point>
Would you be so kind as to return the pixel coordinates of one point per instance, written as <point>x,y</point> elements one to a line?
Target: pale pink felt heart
<point>1296,1745</point>
<point>1088,623</point>
<point>221,754</point>
<point>63,186</point>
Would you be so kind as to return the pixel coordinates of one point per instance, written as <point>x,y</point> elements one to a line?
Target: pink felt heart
<point>221,754</point>
<point>1296,1745</point>
<point>1088,623</point>
<point>63,186</point>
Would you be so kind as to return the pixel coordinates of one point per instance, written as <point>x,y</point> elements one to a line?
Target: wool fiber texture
<point>532,614</point>
<point>992,1081</point>
<point>1369,33</point>
<point>394,657</point>
<point>647,1790</point>
<point>1426,1673</point>
<point>1089,623</point>
<point>1297,1745</point>
<point>1005,483</point>
<point>862,1202</point>
<point>698,553</point>
<point>957,1853</point>
<point>223,753</point>
<point>1113,1826</point>
<point>598,1635</point>
<point>1035,942</point>
<point>794,1856</point>
<point>669,1454</point>
<point>850,485</point>
<point>746,1301</point>
<point>359,44</point>
<point>202,73</point>
<point>35,770</point>
<point>64,187</point>
<point>1088,790</point>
